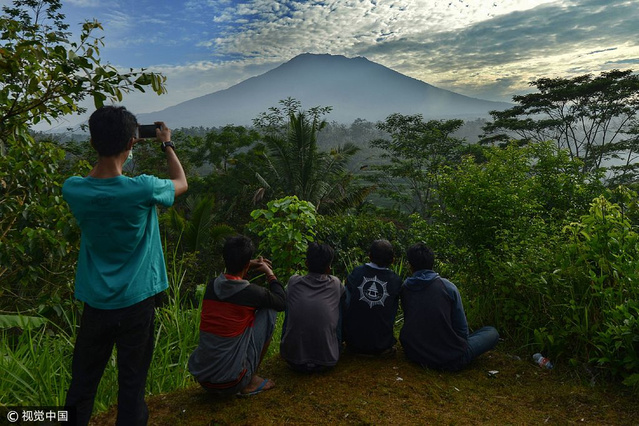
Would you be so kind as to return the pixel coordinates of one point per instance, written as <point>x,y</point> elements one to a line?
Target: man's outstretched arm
<point>176,171</point>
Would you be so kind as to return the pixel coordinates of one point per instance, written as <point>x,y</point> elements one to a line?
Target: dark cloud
<point>528,35</point>
<point>519,39</point>
<point>624,62</point>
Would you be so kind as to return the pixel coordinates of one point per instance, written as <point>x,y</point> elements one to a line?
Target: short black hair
<point>237,252</point>
<point>111,128</point>
<point>319,257</point>
<point>420,257</point>
<point>381,253</point>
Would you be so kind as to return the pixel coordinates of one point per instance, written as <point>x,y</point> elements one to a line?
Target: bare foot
<point>257,385</point>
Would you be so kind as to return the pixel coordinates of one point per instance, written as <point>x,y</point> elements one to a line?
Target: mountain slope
<point>355,88</point>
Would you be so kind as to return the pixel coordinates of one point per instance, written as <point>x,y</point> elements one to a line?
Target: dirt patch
<point>393,391</point>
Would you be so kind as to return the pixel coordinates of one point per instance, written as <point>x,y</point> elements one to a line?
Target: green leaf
<point>21,321</point>
<point>632,380</point>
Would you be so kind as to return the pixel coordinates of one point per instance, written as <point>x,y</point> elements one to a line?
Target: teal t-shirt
<point>121,260</point>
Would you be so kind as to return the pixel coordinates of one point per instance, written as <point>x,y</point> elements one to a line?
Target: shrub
<point>593,296</point>
<point>285,228</point>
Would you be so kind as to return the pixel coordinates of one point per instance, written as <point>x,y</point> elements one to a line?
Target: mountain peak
<point>324,59</point>
<point>354,87</point>
<point>308,55</point>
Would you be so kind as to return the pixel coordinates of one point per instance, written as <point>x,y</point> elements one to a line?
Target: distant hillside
<point>354,87</point>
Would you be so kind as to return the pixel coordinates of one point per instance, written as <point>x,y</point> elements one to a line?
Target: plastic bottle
<point>542,361</point>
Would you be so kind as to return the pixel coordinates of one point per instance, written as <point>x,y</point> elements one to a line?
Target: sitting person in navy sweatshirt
<point>435,332</point>
<point>311,335</point>
<point>237,324</point>
<point>371,303</point>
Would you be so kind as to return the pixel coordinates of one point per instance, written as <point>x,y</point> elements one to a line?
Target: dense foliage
<point>593,118</point>
<point>296,166</point>
<point>44,74</point>
<point>285,227</point>
<point>411,159</point>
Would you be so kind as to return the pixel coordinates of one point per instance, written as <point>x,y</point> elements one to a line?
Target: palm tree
<point>296,166</point>
<point>196,226</point>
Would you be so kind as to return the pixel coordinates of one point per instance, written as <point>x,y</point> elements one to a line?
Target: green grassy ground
<point>363,390</point>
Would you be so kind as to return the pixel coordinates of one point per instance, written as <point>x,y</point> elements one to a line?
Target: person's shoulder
<point>145,179</point>
<point>75,178</point>
<point>72,180</point>
<point>359,268</point>
<point>447,282</point>
<point>73,186</point>
<point>153,183</point>
<point>394,281</point>
<point>449,286</point>
<point>295,279</point>
<point>336,284</point>
<point>335,279</point>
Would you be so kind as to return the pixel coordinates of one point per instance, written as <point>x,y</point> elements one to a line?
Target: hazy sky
<point>480,48</point>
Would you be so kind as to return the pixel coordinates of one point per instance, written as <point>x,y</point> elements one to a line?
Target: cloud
<point>624,62</point>
<point>119,21</point>
<point>84,3</point>
<point>600,51</point>
<point>189,81</point>
<point>552,39</point>
<point>345,26</point>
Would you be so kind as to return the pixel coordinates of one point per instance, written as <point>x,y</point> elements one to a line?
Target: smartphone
<point>147,131</point>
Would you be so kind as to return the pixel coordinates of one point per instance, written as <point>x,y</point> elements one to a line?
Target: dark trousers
<point>131,331</point>
<point>482,340</point>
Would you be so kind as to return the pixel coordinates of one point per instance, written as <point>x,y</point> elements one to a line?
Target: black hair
<point>420,257</point>
<point>381,253</point>
<point>237,253</point>
<point>319,257</point>
<point>111,128</point>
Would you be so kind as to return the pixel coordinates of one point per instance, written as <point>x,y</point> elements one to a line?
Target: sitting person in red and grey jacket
<point>237,324</point>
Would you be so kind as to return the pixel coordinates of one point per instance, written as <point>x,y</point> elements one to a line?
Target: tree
<point>196,235</point>
<point>221,149</point>
<point>227,160</point>
<point>196,226</point>
<point>513,199</point>
<point>414,153</point>
<point>295,164</point>
<point>591,117</point>
<point>43,76</point>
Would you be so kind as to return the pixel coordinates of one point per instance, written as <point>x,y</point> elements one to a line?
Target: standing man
<point>435,332</point>
<point>372,301</point>
<point>121,265</point>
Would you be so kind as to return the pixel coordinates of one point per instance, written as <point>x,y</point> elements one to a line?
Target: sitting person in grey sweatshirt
<point>311,334</point>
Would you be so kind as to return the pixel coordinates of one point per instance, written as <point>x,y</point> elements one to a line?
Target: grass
<point>35,366</point>
<point>365,390</point>
<point>35,369</point>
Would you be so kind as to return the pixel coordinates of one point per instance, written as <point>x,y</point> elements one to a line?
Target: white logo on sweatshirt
<point>373,291</point>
